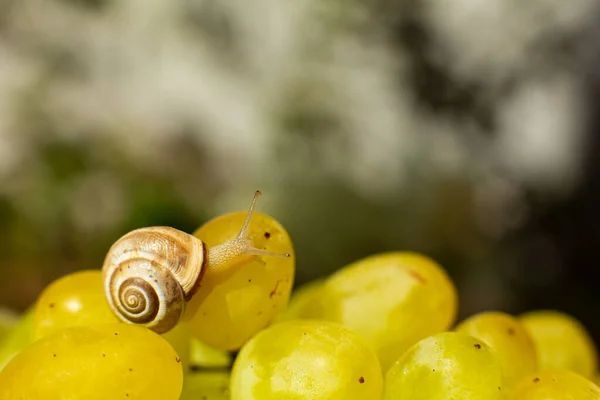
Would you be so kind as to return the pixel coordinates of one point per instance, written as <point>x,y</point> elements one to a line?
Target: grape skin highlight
<point>75,299</point>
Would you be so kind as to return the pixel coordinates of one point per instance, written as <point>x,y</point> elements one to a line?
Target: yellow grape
<point>555,385</point>
<point>108,361</point>
<point>78,299</point>
<point>309,360</point>
<point>180,339</point>
<point>392,299</point>
<point>205,356</point>
<point>446,366</point>
<point>206,386</point>
<point>508,338</point>
<point>229,308</point>
<point>304,302</point>
<point>19,337</point>
<point>562,342</point>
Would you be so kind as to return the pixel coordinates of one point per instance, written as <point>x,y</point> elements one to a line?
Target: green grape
<point>555,385</point>
<point>233,305</point>
<point>508,338</point>
<point>304,302</point>
<point>206,386</point>
<point>78,299</point>
<point>446,366</point>
<point>108,361</point>
<point>562,342</point>
<point>205,356</point>
<point>19,337</point>
<point>391,299</point>
<point>306,359</point>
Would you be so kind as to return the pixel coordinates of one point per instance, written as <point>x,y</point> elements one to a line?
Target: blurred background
<point>463,129</point>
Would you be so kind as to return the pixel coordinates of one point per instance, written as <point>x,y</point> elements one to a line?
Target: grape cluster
<point>384,328</point>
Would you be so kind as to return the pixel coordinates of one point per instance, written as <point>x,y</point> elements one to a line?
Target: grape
<point>180,339</point>
<point>555,385</point>
<point>508,338</point>
<point>206,386</point>
<point>19,337</point>
<point>78,299</point>
<point>392,299</point>
<point>230,307</point>
<point>304,302</point>
<point>562,342</point>
<point>205,356</point>
<point>75,299</point>
<point>446,366</point>
<point>108,361</point>
<point>306,359</point>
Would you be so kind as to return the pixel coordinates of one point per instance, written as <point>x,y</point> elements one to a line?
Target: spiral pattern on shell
<point>139,300</point>
<point>150,273</point>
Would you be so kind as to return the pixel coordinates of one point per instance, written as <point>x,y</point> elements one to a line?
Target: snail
<point>149,274</point>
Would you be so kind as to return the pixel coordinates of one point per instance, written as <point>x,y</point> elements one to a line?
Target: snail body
<point>151,273</point>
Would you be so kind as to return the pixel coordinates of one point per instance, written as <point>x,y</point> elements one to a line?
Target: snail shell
<point>149,274</point>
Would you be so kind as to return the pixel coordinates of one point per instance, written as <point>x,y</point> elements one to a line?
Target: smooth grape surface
<point>180,339</point>
<point>304,302</point>
<point>19,337</point>
<point>229,308</point>
<point>391,299</point>
<point>306,360</point>
<point>555,385</point>
<point>110,361</point>
<point>562,342</point>
<point>206,386</point>
<point>508,338</point>
<point>78,299</point>
<point>446,366</point>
